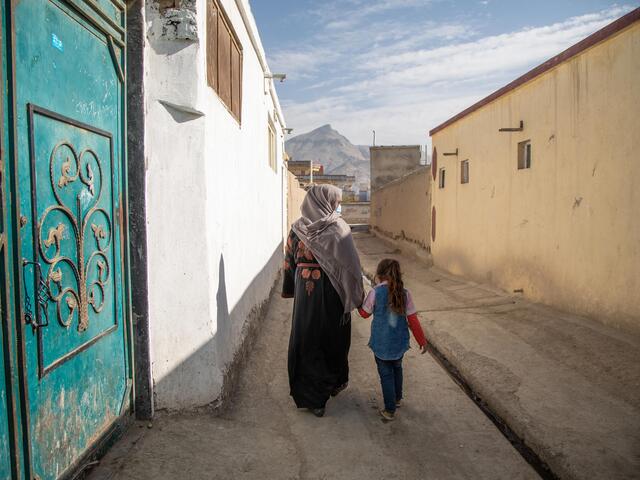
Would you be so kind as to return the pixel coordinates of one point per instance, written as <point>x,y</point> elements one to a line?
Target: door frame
<point>137,174</point>
<point>6,305</point>
<point>12,253</point>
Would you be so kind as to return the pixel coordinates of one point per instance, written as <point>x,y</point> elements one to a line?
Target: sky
<point>402,67</point>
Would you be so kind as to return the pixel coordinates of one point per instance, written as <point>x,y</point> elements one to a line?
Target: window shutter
<point>433,224</point>
<point>212,43</point>
<point>236,80</point>
<point>224,59</point>
<point>434,163</point>
<point>224,63</point>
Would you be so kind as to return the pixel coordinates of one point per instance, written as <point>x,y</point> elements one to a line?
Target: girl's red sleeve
<point>416,329</point>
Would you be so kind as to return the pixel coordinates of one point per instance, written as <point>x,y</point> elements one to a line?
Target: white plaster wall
<point>215,212</point>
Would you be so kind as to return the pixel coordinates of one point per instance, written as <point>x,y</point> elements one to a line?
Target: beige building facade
<point>355,213</point>
<point>550,207</point>
<point>400,211</point>
<point>295,196</point>
<point>391,162</point>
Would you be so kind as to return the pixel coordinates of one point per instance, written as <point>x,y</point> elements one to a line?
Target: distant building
<point>303,167</point>
<point>345,182</point>
<point>400,211</point>
<point>349,196</point>
<point>302,171</point>
<point>535,188</point>
<point>389,163</point>
<point>355,213</point>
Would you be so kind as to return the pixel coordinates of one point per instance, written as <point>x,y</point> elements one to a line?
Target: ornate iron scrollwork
<point>76,280</point>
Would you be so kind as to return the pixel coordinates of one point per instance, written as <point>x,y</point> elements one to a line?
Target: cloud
<point>357,10</point>
<point>300,63</point>
<point>403,80</point>
<point>354,47</point>
<point>490,55</point>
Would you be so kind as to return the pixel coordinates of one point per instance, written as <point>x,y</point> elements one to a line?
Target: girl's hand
<point>423,349</point>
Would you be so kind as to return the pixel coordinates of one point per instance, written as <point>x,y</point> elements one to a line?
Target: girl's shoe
<point>318,412</point>
<point>387,416</point>
<point>338,389</point>
<point>398,403</point>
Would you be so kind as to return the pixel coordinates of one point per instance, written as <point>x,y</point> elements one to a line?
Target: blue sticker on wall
<point>56,42</point>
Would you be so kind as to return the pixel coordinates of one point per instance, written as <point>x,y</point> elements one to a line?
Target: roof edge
<point>584,44</point>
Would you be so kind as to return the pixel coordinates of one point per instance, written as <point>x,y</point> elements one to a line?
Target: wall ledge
<point>407,246</point>
<point>417,171</point>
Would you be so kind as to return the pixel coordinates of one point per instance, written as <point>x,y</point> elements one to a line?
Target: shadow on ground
<point>439,433</point>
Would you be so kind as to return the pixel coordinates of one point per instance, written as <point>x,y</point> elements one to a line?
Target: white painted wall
<point>215,208</point>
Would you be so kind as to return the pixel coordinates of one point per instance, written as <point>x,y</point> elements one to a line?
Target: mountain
<point>365,151</point>
<point>334,151</point>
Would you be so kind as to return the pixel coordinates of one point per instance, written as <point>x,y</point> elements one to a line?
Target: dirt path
<point>438,434</point>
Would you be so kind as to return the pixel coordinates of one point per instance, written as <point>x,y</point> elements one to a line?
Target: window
<point>441,178</point>
<point>272,147</point>
<point>524,155</point>
<point>224,59</point>
<point>464,171</point>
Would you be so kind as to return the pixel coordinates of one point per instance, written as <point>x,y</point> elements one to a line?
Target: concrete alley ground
<point>438,434</point>
<point>568,386</point>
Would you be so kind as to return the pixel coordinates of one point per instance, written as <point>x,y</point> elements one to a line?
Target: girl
<point>393,315</point>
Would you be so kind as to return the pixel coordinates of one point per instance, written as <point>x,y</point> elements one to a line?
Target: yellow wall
<point>295,196</point>
<point>355,212</point>
<point>567,231</point>
<point>400,209</point>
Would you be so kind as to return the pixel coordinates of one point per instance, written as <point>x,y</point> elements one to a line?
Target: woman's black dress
<point>320,330</point>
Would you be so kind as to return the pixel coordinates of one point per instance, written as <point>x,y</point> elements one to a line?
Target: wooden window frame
<point>524,155</point>
<point>217,12</point>
<point>464,172</point>
<point>272,144</point>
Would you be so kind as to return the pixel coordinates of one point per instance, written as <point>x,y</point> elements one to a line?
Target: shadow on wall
<point>180,113</point>
<point>209,375</point>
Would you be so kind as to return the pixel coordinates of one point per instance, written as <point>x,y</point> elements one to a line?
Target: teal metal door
<point>8,461</point>
<point>10,431</point>
<point>5,437</point>
<point>5,397</point>
<point>68,125</point>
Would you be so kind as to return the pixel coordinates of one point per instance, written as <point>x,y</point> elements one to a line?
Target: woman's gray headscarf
<point>329,238</point>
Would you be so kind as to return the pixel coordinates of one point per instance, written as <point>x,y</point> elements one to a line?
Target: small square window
<point>464,171</point>
<point>524,155</point>
<point>441,178</point>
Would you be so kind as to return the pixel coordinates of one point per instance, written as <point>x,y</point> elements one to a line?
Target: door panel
<point>8,461</point>
<point>69,124</point>
<point>74,205</point>
<point>5,435</point>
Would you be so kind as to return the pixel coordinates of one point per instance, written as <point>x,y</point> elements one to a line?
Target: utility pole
<point>311,172</point>
<point>374,138</point>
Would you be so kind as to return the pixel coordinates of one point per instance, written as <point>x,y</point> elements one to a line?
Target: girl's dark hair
<point>389,270</point>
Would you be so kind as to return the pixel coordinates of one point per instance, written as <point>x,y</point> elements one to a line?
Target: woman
<point>322,272</point>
